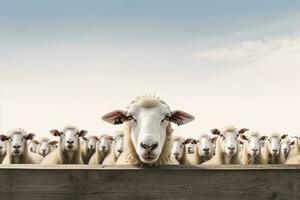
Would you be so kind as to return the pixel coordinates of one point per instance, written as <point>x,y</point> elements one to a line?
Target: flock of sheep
<point>147,139</point>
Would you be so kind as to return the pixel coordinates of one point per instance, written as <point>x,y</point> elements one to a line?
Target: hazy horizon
<point>227,63</point>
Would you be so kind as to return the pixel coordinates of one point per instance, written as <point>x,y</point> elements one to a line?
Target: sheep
<point>251,152</point>
<point>17,148</point>
<point>69,146</point>
<point>294,154</point>
<point>45,146</point>
<point>226,146</point>
<point>285,148</point>
<point>102,150</point>
<point>3,147</point>
<point>271,150</point>
<point>178,151</point>
<point>116,149</point>
<point>32,146</point>
<point>191,156</point>
<point>205,147</point>
<point>148,131</point>
<point>88,148</point>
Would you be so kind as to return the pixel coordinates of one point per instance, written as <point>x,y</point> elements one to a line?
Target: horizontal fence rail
<point>72,182</point>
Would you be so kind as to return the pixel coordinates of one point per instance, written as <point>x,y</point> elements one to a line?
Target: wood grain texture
<point>72,182</point>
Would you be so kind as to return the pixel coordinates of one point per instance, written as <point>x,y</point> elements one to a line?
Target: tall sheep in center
<point>251,152</point>
<point>69,147</point>
<point>148,132</point>
<point>116,149</point>
<point>227,151</point>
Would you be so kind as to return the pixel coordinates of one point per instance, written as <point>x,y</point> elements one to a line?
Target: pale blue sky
<point>226,62</point>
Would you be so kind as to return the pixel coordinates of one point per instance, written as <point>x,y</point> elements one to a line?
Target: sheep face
<point>177,149</point>
<point>285,145</point>
<point>104,144</point>
<point>119,145</point>
<point>252,142</point>
<point>205,145</point>
<point>91,142</point>
<point>190,145</point>
<point>44,147</point>
<point>148,119</point>
<point>69,138</point>
<point>33,146</point>
<point>273,145</point>
<point>17,142</point>
<point>3,144</point>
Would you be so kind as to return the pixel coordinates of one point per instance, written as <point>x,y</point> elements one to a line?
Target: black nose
<point>43,150</point>
<point>275,150</point>
<point>16,146</point>
<point>254,150</point>
<point>149,148</point>
<point>120,151</point>
<point>176,154</point>
<point>206,149</point>
<point>70,142</point>
<point>231,148</point>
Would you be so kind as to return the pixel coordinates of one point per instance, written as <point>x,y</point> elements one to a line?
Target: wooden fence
<point>72,182</point>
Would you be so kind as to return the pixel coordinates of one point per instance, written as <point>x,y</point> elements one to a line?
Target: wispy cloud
<point>250,49</point>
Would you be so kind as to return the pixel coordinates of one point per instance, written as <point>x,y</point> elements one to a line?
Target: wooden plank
<point>74,182</point>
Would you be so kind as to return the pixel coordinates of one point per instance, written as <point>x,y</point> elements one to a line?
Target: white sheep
<point>227,151</point>
<point>32,145</point>
<point>294,155</point>
<point>205,147</point>
<point>178,151</point>
<point>69,147</point>
<point>191,156</point>
<point>44,146</point>
<point>88,148</point>
<point>103,147</point>
<point>148,132</point>
<point>285,148</point>
<point>115,150</point>
<point>17,148</point>
<point>271,150</point>
<point>251,152</point>
<point>3,147</point>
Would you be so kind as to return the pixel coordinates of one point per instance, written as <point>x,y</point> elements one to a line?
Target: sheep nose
<point>102,148</point>
<point>1,147</point>
<point>254,150</point>
<point>43,150</point>
<point>16,146</point>
<point>275,150</point>
<point>91,146</point>
<point>120,151</point>
<point>149,148</point>
<point>176,154</point>
<point>70,141</point>
<point>206,149</point>
<point>231,148</point>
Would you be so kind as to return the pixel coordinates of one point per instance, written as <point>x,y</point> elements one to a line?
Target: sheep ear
<point>262,138</point>
<point>30,136</point>
<point>3,137</point>
<point>243,130</point>
<point>215,131</point>
<point>115,117</point>
<point>55,132</point>
<point>82,133</point>
<point>284,136</point>
<point>243,137</point>
<point>214,139</point>
<point>34,142</point>
<point>53,142</point>
<point>180,117</point>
